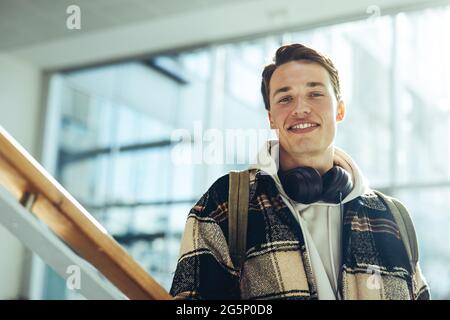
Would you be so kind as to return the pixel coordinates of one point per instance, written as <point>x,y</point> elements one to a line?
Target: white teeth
<point>303,125</point>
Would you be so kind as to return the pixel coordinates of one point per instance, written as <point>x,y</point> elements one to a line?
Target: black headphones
<point>306,185</point>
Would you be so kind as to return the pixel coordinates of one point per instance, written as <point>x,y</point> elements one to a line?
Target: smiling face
<point>304,108</point>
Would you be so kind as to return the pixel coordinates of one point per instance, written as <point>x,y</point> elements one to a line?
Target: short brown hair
<point>295,52</point>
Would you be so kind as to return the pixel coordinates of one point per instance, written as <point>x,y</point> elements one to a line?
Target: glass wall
<point>116,125</point>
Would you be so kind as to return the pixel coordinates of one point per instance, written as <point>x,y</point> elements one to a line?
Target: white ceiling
<point>28,22</point>
<point>116,30</point>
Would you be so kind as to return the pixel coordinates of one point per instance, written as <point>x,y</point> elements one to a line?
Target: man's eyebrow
<point>315,84</point>
<point>282,89</point>
<point>310,84</point>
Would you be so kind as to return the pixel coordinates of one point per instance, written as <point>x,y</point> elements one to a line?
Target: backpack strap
<point>238,194</point>
<point>405,226</point>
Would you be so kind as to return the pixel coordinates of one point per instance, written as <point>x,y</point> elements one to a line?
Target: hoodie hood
<point>268,162</point>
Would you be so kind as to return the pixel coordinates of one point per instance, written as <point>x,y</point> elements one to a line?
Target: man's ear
<point>272,125</point>
<point>340,114</point>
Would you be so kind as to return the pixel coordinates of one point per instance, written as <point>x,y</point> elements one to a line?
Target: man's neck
<point>322,162</point>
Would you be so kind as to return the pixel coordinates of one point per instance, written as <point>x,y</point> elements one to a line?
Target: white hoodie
<point>321,222</point>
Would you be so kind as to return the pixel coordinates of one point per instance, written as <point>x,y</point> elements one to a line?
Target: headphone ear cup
<point>336,180</point>
<point>302,184</point>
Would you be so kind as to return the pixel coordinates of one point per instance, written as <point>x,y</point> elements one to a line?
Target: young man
<point>315,228</point>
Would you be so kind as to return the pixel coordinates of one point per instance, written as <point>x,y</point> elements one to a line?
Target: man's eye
<point>285,100</point>
<point>316,94</point>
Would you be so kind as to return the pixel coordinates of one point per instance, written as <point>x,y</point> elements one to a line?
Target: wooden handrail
<point>22,175</point>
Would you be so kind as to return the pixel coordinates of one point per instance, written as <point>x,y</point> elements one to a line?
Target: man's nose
<point>301,107</point>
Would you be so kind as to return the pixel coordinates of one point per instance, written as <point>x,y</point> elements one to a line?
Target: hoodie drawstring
<point>330,246</point>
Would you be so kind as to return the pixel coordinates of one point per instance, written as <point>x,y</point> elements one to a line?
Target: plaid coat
<point>375,264</point>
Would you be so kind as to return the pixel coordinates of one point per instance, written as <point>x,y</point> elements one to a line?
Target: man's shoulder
<point>375,201</point>
<point>371,200</point>
<point>220,187</point>
<point>214,201</point>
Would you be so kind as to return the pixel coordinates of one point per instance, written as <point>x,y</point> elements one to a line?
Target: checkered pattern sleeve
<point>204,269</point>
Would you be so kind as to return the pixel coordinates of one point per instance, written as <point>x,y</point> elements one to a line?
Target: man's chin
<point>299,150</point>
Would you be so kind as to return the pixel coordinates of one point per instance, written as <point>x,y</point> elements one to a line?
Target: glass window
<point>429,210</point>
